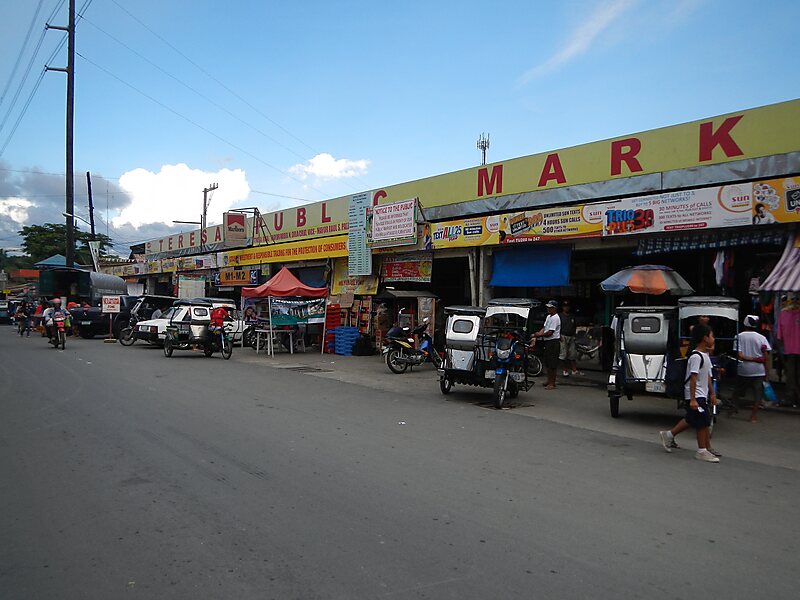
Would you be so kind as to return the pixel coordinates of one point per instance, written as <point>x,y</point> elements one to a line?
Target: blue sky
<point>314,100</point>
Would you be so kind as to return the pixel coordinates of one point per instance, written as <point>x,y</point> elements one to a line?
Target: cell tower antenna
<point>483,146</point>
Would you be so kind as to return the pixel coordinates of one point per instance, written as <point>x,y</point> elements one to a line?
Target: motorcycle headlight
<point>503,353</point>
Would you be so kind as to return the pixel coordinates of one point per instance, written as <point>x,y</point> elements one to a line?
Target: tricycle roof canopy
<point>710,306</point>
<point>284,285</point>
<point>476,311</point>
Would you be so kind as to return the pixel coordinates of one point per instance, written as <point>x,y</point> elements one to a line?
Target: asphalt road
<point>126,474</point>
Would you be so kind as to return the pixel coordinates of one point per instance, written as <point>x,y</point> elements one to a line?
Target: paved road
<point>125,474</point>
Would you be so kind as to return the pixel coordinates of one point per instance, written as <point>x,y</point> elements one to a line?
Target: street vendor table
<point>272,337</point>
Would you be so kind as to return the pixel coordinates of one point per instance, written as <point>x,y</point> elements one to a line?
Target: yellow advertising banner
<point>541,225</point>
<point>776,201</point>
<point>343,283</point>
<point>331,247</point>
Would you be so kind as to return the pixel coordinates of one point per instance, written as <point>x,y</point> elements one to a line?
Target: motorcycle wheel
<point>127,336</point>
<point>394,366</point>
<point>62,338</point>
<point>249,337</point>
<point>208,351</point>
<point>167,348</point>
<point>534,366</point>
<point>227,349</point>
<point>445,384</point>
<point>500,391</point>
<point>513,389</point>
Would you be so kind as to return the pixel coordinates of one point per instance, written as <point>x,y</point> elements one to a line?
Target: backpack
<point>676,378</point>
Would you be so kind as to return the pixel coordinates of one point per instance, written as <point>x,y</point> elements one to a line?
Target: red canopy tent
<point>282,285</point>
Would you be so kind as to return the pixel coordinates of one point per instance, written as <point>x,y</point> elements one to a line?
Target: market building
<point>716,199</point>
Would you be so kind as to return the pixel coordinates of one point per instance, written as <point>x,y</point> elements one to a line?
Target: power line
<point>195,91</point>
<point>229,90</point>
<point>281,196</point>
<point>21,51</point>
<point>278,125</point>
<point>47,173</point>
<point>198,125</point>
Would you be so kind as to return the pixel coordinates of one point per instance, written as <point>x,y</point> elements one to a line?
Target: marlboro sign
<point>235,227</point>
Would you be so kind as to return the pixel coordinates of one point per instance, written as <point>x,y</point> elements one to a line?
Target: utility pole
<point>70,185</point>
<point>483,146</point>
<point>210,188</point>
<point>91,204</point>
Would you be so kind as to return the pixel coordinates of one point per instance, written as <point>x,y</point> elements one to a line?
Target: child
<point>698,391</point>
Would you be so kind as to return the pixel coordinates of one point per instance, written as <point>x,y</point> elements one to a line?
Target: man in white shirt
<point>551,333</point>
<point>752,349</point>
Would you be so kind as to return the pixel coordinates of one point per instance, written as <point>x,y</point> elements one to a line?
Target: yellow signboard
<point>757,132</point>
<point>301,222</point>
<point>330,247</point>
<point>525,226</point>
<point>358,284</point>
<point>776,201</point>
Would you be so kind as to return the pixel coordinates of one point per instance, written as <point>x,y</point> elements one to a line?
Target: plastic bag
<point>769,393</point>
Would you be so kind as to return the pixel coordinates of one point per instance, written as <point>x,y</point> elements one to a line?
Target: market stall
<point>289,303</point>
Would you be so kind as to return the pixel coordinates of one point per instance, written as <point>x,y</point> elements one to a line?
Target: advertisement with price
<point>737,205</point>
<point>546,224</point>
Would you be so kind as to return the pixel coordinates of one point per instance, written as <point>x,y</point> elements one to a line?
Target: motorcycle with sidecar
<point>487,347</point>
<point>194,330</point>
<point>652,341</point>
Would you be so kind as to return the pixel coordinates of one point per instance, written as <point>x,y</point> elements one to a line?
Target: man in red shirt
<point>218,316</point>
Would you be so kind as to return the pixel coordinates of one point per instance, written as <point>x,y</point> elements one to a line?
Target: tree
<point>43,241</point>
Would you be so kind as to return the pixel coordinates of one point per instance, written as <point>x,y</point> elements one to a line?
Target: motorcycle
<point>509,358</point>
<point>218,341</point>
<point>587,346</point>
<point>128,334</point>
<point>59,332</point>
<point>534,366</point>
<point>401,353</point>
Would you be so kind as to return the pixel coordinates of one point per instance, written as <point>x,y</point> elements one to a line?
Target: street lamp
<point>76,217</point>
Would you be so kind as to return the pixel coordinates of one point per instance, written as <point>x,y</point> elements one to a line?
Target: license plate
<point>518,377</point>
<point>86,322</point>
<point>490,374</point>
<point>656,387</point>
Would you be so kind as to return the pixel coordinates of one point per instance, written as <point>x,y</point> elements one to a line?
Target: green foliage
<point>43,241</point>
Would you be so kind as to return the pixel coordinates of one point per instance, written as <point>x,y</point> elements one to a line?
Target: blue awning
<point>531,266</point>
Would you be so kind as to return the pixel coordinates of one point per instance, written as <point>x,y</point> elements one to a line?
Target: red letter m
<point>486,184</point>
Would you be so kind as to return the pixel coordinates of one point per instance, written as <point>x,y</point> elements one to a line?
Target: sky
<point>282,103</point>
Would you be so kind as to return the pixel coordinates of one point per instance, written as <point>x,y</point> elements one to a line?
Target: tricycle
<point>194,330</point>
<point>486,347</point>
<point>653,341</point>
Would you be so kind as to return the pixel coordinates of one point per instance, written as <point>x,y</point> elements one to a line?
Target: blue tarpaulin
<point>531,266</point>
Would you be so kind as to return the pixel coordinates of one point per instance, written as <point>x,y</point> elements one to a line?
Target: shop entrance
<point>450,281</point>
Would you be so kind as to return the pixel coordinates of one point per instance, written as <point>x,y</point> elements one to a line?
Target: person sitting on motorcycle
<point>51,313</point>
<point>218,317</point>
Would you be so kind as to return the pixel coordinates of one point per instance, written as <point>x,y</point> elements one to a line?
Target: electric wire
<point>195,91</point>
<point>35,88</point>
<point>228,89</point>
<point>21,51</point>
<point>198,125</point>
<point>217,81</point>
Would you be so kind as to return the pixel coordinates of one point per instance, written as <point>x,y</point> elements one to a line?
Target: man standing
<point>752,349</point>
<point>568,355</point>
<point>551,333</point>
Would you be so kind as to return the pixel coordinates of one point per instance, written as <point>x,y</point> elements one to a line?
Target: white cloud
<point>582,38</point>
<point>16,209</point>
<point>175,193</point>
<point>324,166</point>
